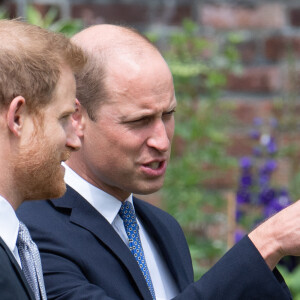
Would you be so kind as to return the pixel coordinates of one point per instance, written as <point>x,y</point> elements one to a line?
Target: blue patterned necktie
<point>31,262</point>
<point>132,230</point>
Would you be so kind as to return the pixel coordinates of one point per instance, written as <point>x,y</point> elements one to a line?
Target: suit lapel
<point>159,231</point>
<point>86,216</point>
<point>18,271</point>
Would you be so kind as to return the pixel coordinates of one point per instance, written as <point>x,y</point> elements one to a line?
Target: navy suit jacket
<point>84,258</point>
<point>13,284</point>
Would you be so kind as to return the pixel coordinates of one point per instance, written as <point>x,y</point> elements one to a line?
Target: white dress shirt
<point>162,280</point>
<point>9,227</point>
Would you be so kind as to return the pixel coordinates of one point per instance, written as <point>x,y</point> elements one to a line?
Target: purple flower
<point>265,139</point>
<point>283,192</point>
<point>277,203</point>
<point>246,180</point>
<point>254,134</point>
<point>284,198</point>
<point>264,180</point>
<point>239,234</point>
<point>255,188</point>
<point>266,196</point>
<point>257,121</point>
<point>257,151</point>
<point>272,208</point>
<point>245,162</point>
<point>272,146</point>
<point>273,122</point>
<point>265,172</point>
<point>269,166</point>
<point>238,215</point>
<point>243,196</point>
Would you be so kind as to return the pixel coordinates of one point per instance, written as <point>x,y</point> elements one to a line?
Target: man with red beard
<point>37,100</point>
<point>101,242</point>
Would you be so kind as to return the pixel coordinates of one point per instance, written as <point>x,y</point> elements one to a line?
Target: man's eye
<point>66,117</point>
<point>169,113</point>
<point>142,120</point>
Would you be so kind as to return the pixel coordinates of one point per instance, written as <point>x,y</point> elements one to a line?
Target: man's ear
<point>78,120</point>
<point>15,115</point>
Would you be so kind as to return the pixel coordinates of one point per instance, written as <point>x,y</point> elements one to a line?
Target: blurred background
<point>236,73</point>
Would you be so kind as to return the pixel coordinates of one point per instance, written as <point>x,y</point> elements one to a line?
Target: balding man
<point>37,100</point>
<point>100,242</point>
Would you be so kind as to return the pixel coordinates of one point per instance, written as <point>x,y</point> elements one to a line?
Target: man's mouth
<point>154,168</point>
<point>154,165</point>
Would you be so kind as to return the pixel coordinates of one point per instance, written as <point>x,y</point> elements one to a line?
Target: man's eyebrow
<point>68,111</point>
<point>136,116</point>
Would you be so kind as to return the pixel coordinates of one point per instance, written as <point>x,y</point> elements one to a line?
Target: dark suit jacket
<point>84,258</point>
<point>13,284</point>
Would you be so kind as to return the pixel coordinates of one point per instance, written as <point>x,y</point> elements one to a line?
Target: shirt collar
<point>9,224</point>
<point>107,205</point>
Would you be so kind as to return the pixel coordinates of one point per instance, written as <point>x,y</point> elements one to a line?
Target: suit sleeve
<point>240,274</point>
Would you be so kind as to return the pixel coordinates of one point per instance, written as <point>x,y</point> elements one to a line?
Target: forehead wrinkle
<point>145,107</point>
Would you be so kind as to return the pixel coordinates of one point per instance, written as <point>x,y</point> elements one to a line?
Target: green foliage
<point>199,68</point>
<point>199,65</point>
<point>292,280</point>
<point>3,13</point>
<point>49,21</point>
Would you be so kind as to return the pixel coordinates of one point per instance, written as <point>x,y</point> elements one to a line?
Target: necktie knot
<point>24,238</point>
<point>128,215</point>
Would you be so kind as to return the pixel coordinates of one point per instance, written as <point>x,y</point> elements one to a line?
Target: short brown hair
<point>31,59</point>
<point>90,86</point>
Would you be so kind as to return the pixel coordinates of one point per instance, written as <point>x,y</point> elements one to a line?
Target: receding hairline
<point>106,45</point>
<point>105,39</point>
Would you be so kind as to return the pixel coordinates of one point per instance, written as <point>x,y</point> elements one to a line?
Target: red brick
<point>11,9</point>
<point>288,138</point>
<point>256,79</point>
<point>245,111</point>
<point>248,51</point>
<point>111,13</point>
<point>290,141</point>
<point>221,179</point>
<point>282,175</point>
<point>173,15</point>
<point>268,16</point>
<point>121,13</point>
<point>278,47</point>
<point>294,17</point>
<point>42,8</point>
<point>275,47</point>
<point>240,144</point>
<point>291,79</point>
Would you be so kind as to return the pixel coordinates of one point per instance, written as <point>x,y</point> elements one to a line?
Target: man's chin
<point>52,192</point>
<point>149,189</point>
<point>59,191</point>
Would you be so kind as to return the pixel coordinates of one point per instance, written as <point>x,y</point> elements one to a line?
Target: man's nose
<point>159,138</point>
